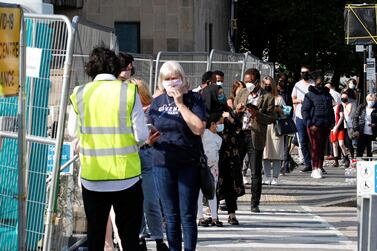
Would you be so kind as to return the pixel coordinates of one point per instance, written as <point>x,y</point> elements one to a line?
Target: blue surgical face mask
<point>222,98</point>
<point>220,127</point>
<point>370,104</point>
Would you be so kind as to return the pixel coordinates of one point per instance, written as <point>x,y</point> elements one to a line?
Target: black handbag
<point>285,126</point>
<point>207,181</point>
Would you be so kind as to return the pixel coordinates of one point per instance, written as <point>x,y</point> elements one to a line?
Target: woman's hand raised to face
<point>177,94</point>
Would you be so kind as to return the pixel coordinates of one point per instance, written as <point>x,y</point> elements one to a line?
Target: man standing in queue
<point>256,108</point>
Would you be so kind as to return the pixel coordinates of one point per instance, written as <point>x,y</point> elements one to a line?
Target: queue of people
<point>140,154</point>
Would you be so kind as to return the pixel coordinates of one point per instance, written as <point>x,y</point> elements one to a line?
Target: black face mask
<point>344,100</point>
<point>268,88</point>
<point>133,71</point>
<point>305,75</point>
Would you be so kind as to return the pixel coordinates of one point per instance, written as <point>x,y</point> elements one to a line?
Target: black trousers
<point>128,208</point>
<point>364,141</point>
<point>255,164</point>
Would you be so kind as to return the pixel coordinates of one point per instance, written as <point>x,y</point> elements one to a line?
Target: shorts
<point>339,135</point>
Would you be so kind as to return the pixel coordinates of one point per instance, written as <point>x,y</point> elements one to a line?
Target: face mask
<point>281,84</point>
<point>344,100</point>
<point>171,84</point>
<point>268,88</point>
<point>220,83</point>
<point>250,86</point>
<point>305,75</point>
<point>370,104</point>
<point>222,98</point>
<point>351,86</point>
<point>220,127</point>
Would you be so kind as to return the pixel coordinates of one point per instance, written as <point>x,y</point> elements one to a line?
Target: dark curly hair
<point>102,60</point>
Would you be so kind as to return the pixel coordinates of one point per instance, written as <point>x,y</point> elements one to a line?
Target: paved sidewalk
<point>297,188</point>
<point>300,213</point>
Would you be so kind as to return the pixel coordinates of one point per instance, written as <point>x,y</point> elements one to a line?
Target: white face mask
<point>220,83</point>
<point>220,127</point>
<point>170,85</point>
<point>351,86</point>
<point>250,86</point>
<point>370,104</point>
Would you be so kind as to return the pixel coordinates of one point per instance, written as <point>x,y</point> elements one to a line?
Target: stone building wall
<point>165,25</point>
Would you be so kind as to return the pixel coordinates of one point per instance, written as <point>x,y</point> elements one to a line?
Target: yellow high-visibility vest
<point>108,149</point>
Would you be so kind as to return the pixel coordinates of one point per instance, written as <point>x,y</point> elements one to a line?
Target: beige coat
<point>274,149</point>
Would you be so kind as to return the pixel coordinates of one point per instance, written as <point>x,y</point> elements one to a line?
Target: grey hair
<point>169,68</point>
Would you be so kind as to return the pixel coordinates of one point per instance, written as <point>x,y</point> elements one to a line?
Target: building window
<point>128,34</point>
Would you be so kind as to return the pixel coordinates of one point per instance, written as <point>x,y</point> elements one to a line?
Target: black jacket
<point>358,121</point>
<point>317,107</point>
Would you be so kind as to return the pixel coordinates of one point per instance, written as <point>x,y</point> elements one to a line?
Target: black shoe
<point>217,223</point>
<point>255,209</point>
<point>323,170</point>
<point>142,245</point>
<point>223,207</point>
<point>233,221</point>
<point>306,169</point>
<point>161,246</point>
<point>203,223</point>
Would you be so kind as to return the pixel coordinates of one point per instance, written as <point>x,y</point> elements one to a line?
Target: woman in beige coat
<point>273,151</point>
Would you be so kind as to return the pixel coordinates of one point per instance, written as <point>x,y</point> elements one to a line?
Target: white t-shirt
<point>211,143</point>
<point>299,91</point>
<point>336,96</point>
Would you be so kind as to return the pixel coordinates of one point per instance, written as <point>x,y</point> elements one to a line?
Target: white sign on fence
<point>366,177</point>
<point>33,62</point>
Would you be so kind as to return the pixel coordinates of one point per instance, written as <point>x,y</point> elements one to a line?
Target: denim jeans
<point>178,188</point>
<point>303,140</point>
<point>152,210</point>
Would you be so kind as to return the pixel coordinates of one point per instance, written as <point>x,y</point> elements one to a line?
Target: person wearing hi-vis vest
<point>109,121</point>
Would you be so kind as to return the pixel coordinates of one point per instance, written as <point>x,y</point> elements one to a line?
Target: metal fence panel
<point>50,36</point>
<point>232,64</point>
<point>144,68</point>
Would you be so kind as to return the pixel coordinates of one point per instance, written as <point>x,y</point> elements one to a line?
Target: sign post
<point>371,75</point>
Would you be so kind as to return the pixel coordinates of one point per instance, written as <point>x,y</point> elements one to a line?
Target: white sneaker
<point>246,181</point>
<point>266,181</point>
<point>316,173</point>
<point>274,181</point>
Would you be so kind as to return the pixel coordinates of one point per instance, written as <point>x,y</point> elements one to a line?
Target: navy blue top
<point>177,145</point>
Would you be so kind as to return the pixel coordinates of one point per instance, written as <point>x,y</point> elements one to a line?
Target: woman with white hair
<point>179,115</point>
<point>365,125</point>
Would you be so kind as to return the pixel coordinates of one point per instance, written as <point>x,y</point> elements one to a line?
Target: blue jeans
<point>178,188</point>
<point>152,210</point>
<point>303,140</point>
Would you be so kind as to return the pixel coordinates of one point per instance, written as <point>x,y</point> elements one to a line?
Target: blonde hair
<point>371,96</point>
<point>274,91</point>
<point>145,95</point>
<point>169,68</point>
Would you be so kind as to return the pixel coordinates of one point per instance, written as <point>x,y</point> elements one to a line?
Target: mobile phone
<point>152,128</point>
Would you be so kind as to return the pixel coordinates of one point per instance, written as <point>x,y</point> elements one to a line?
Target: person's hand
<point>355,134</point>
<point>252,111</point>
<point>313,128</point>
<point>153,137</point>
<point>240,107</point>
<point>334,130</point>
<point>278,110</point>
<point>178,96</point>
<point>226,115</point>
<point>76,146</point>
